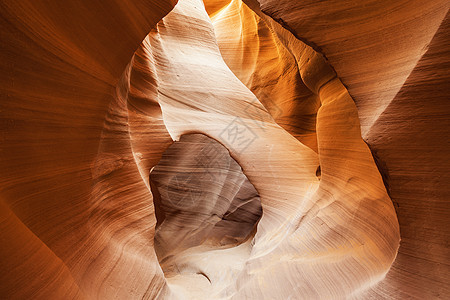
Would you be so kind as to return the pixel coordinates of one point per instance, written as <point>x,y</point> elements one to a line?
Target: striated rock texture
<point>60,64</point>
<point>373,45</point>
<point>214,150</point>
<point>205,207</point>
<point>203,197</point>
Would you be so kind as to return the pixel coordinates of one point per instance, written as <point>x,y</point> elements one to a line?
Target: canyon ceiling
<point>224,149</point>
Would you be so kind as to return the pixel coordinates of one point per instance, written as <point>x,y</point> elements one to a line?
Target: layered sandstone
<point>113,186</point>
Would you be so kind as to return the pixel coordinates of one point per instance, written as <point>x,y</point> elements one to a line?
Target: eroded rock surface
<point>96,140</point>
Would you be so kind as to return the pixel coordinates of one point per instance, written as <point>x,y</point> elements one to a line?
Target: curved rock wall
<point>60,63</point>
<point>373,45</point>
<point>81,131</point>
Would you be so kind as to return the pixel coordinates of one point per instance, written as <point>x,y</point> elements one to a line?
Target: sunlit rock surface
<point>302,206</point>
<point>372,44</point>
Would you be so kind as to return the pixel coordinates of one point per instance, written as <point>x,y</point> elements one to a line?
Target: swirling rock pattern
<point>373,45</point>
<point>82,131</point>
<point>203,197</point>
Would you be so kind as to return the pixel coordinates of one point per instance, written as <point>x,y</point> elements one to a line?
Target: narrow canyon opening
<point>203,203</point>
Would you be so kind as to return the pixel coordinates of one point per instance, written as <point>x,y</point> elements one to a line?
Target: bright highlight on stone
<point>224,149</point>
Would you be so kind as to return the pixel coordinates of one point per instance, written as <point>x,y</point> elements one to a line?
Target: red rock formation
<point>373,45</point>
<point>81,131</point>
<point>60,63</point>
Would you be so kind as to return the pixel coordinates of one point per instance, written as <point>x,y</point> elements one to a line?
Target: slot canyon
<point>224,149</point>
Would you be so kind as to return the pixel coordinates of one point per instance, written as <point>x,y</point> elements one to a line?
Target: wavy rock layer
<point>411,140</point>
<point>295,237</point>
<point>407,119</point>
<point>60,63</point>
<point>77,212</point>
<point>262,55</point>
<point>373,45</point>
